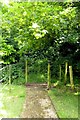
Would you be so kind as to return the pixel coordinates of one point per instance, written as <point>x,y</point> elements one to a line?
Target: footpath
<point>38,103</point>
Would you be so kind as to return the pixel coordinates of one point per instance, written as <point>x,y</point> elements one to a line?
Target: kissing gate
<point>37,72</point>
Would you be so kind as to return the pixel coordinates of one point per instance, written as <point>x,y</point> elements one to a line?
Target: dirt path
<point>38,104</point>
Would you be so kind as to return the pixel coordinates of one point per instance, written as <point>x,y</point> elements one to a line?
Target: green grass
<point>37,78</point>
<point>65,102</point>
<point>11,101</point>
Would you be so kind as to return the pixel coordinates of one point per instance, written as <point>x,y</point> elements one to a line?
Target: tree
<point>40,29</point>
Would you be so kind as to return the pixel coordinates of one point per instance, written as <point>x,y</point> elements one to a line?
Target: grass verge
<point>65,102</point>
<point>11,100</point>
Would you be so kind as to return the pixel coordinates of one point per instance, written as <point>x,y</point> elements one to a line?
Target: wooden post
<point>60,72</point>
<point>49,81</point>
<point>65,77</point>
<point>71,77</point>
<point>9,74</point>
<point>26,71</point>
<point>9,78</point>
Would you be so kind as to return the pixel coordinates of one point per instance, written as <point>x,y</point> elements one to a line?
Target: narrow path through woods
<point>38,103</point>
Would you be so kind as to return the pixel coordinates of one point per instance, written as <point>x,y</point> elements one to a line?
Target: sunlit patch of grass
<point>66,103</point>
<point>37,78</point>
<point>12,100</point>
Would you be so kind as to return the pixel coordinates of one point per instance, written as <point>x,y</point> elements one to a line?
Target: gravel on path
<point>38,104</point>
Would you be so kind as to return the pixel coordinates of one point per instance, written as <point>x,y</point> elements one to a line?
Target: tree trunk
<point>71,77</point>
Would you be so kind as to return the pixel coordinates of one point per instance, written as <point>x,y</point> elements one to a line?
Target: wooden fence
<point>3,73</point>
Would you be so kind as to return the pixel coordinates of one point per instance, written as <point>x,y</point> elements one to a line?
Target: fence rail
<point>3,73</point>
<point>11,72</point>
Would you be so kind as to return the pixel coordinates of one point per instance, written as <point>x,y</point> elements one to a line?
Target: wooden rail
<point>1,70</point>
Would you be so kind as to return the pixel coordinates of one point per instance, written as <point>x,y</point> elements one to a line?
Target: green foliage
<point>37,71</point>
<point>33,21</point>
<point>41,30</point>
<point>17,73</point>
<point>37,78</point>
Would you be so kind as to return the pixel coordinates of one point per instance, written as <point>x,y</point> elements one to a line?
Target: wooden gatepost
<point>49,77</point>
